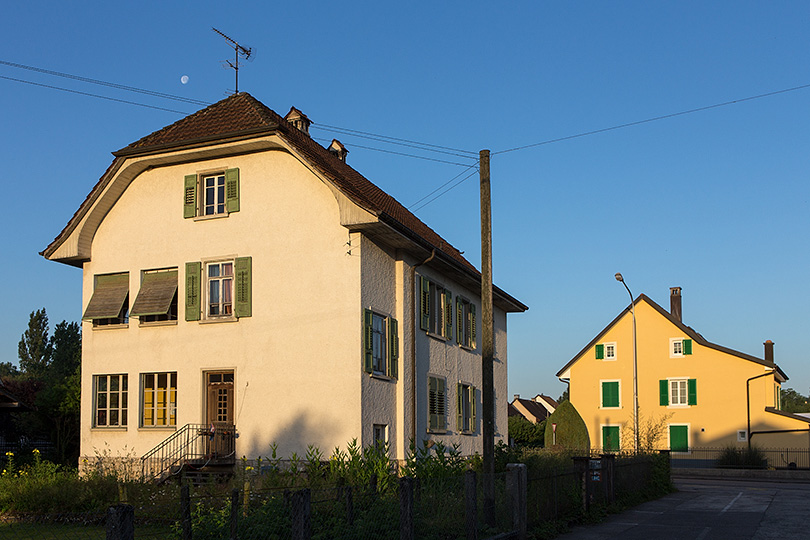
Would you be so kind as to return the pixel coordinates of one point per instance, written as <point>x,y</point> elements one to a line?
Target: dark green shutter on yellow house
<point>232,190</point>
<point>193,290</point>
<point>691,391</point>
<point>368,342</point>
<point>687,346</point>
<point>243,268</point>
<point>679,438</point>
<point>610,438</point>
<point>610,394</point>
<point>663,391</point>
<point>190,196</point>
<point>393,347</point>
<point>600,352</point>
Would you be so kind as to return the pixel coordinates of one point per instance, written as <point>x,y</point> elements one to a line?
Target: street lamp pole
<point>619,277</point>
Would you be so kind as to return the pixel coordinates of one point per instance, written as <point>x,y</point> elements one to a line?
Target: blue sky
<point>715,202</point>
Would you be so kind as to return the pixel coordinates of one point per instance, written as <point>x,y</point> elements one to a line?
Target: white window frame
<point>466,323</point>
<point>219,203</point>
<point>379,435</point>
<point>601,393</point>
<point>672,345</point>
<point>742,435</point>
<point>683,383</point>
<point>168,405</point>
<point>437,321</point>
<point>379,344</point>
<point>122,395</point>
<point>602,435</point>
<point>609,357</point>
<point>221,278</point>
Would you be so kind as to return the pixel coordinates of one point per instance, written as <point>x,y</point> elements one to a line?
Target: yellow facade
<point>691,391</point>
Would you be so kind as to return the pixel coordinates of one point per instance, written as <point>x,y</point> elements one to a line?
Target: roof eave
<point>222,138</point>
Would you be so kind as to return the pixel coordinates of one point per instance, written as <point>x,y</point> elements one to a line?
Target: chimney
<point>769,351</point>
<point>338,150</point>
<point>298,119</point>
<point>517,397</point>
<point>675,303</point>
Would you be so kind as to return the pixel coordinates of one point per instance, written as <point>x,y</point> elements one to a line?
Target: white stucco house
<point>238,277</point>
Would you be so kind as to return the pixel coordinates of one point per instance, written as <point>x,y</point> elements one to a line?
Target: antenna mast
<point>245,52</point>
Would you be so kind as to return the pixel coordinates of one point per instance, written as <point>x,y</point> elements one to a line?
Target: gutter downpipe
<point>748,402</point>
<point>413,342</point>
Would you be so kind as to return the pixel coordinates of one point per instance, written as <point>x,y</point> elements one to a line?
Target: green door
<point>679,438</point>
<point>610,438</point>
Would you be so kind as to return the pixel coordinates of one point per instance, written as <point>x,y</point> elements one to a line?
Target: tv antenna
<point>245,52</point>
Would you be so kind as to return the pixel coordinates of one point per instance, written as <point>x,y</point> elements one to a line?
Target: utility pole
<point>487,343</point>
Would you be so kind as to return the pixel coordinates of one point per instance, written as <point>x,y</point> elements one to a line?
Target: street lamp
<point>619,277</point>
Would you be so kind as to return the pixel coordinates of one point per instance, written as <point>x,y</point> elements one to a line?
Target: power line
<point>401,154</point>
<point>654,119</point>
<point>383,139</point>
<point>440,187</point>
<point>354,131</point>
<point>445,191</point>
<point>93,95</point>
<point>106,83</point>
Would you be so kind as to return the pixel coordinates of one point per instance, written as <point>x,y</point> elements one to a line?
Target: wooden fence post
<point>234,513</point>
<point>516,486</point>
<point>121,522</point>
<point>185,511</point>
<point>582,470</point>
<point>471,504</point>
<point>301,514</point>
<point>406,525</point>
<point>608,474</point>
<point>349,505</point>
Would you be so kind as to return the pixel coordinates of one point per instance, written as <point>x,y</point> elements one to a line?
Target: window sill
<point>438,431</point>
<point>212,216</point>
<point>157,428</point>
<point>610,408</point>
<point>110,428</point>
<point>467,348</point>
<point>468,433</point>
<point>437,337</point>
<point>679,406</point>
<point>110,327</point>
<point>381,377</point>
<point>219,320</point>
<point>157,323</point>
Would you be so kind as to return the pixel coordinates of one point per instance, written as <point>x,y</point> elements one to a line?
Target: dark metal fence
<point>742,458</point>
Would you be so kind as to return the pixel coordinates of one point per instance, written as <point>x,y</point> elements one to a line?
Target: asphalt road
<point>712,510</point>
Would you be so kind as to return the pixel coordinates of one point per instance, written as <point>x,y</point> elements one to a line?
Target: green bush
<point>572,434</point>
<point>525,433</point>
<point>742,458</point>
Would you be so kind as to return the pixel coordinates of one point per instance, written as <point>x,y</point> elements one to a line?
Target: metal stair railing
<point>185,443</point>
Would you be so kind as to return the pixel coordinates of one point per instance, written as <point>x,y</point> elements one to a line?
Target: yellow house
<point>692,392</point>
<point>240,279</point>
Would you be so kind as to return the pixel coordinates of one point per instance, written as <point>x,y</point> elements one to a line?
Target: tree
<point>563,396</point>
<point>652,432</point>
<point>34,349</point>
<point>7,369</point>
<point>794,402</point>
<point>526,433</point>
<point>571,430</point>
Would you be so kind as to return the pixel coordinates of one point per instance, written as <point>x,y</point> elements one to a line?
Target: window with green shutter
<point>692,389</point>
<point>436,313</point>
<point>214,194</point>
<point>368,340</point>
<point>219,290</point>
<point>610,439</point>
<point>109,305</point>
<point>243,268</point>
<point>600,351</point>
<point>437,409</point>
<point>466,323</point>
<point>380,344</point>
<point>465,417</point>
<point>679,438</point>
<point>663,392</point>
<point>193,291</point>
<point>610,394</point>
<point>687,346</point>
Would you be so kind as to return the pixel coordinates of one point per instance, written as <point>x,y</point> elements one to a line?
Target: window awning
<point>108,297</point>
<point>155,296</point>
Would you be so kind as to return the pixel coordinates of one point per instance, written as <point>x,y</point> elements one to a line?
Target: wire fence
<point>742,458</point>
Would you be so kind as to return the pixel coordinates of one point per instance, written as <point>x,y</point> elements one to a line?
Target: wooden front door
<point>219,404</point>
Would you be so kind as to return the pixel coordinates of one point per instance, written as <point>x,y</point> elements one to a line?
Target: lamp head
<point>619,277</point>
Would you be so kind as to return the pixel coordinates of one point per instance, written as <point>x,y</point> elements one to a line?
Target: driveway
<point>709,509</point>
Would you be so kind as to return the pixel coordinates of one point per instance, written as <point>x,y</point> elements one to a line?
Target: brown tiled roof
<point>534,408</point>
<point>240,115</point>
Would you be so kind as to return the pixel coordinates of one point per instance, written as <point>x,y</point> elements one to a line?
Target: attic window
<point>212,194</point>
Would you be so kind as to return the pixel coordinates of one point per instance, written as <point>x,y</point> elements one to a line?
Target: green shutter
<point>600,352</point>
<point>442,401</point>
<point>190,196</point>
<point>393,347</point>
<point>679,438</point>
<point>424,319</point>
<point>193,289</point>
<point>663,392</point>
<point>610,438</point>
<point>687,346</point>
<point>610,394</point>
<point>692,391</point>
<point>473,326</point>
<point>433,418</point>
<point>232,190</point>
<point>448,314</point>
<point>243,268</point>
<point>459,320</point>
<point>473,419</point>
<point>460,402</point>
<point>368,342</point>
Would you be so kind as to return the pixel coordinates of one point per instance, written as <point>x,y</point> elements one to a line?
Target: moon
<point>184,79</point>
